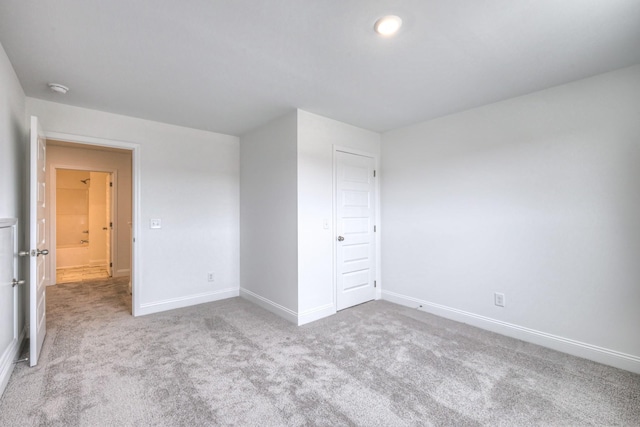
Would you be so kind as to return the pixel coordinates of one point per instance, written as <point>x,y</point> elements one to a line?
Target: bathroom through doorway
<point>84,225</point>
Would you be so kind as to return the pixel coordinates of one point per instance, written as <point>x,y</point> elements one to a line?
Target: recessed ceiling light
<point>57,87</point>
<point>388,25</point>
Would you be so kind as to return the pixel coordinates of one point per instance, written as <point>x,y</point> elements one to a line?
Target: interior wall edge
<point>269,305</point>
<point>316,313</point>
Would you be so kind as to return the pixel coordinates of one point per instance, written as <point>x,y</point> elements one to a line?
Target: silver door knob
<point>340,238</point>
<point>42,252</point>
<point>17,282</point>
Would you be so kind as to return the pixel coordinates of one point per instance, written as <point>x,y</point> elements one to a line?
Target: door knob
<point>42,252</point>
<point>340,238</point>
<point>17,282</point>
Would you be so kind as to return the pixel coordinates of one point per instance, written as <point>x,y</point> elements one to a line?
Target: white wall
<point>317,137</point>
<point>189,179</point>
<point>98,218</point>
<point>99,160</point>
<point>268,223</point>
<point>286,187</point>
<point>13,138</point>
<point>537,197</point>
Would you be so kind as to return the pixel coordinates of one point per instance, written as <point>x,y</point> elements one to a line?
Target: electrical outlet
<point>498,299</point>
<point>155,223</point>
<point>211,277</point>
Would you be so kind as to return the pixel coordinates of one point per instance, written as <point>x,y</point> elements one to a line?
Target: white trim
<point>6,360</point>
<point>136,246</point>
<point>187,301</point>
<point>566,345</point>
<point>66,267</point>
<point>12,351</point>
<point>121,272</point>
<point>269,305</point>
<point>377,220</point>
<point>8,222</point>
<point>89,140</point>
<point>316,314</point>
<point>350,150</point>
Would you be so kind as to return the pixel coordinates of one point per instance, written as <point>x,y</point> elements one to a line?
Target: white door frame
<point>11,353</point>
<point>136,248</point>
<point>13,223</point>
<point>53,218</point>
<point>376,162</point>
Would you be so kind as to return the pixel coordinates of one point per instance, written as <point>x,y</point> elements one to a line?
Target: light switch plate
<point>155,223</point>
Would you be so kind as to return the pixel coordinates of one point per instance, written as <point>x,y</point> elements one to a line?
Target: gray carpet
<point>232,363</point>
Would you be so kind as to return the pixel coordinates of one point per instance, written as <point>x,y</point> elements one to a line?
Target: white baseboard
<point>170,304</point>
<point>269,305</point>
<point>11,353</point>
<point>121,272</point>
<point>606,356</point>
<point>71,266</point>
<point>299,319</point>
<point>316,314</point>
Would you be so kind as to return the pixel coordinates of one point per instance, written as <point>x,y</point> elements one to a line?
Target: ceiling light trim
<point>58,88</point>
<point>388,25</point>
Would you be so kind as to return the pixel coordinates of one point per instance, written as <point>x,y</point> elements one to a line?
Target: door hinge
<point>374,173</point>
<point>374,229</point>
<point>111,184</point>
<point>110,264</point>
<point>111,225</point>
<point>375,284</point>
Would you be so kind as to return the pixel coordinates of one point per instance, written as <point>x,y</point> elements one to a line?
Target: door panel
<point>37,242</point>
<point>355,209</point>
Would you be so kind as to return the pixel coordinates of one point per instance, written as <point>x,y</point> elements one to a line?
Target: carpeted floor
<point>232,363</point>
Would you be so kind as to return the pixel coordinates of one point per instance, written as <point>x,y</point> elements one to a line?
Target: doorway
<point>83,212</point>
<point>85,165</point>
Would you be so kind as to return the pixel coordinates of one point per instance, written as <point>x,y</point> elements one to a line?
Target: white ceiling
<point>231,65</point>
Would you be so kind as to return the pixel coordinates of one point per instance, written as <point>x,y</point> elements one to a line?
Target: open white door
<point>37,241</point>
<point>355,214</point>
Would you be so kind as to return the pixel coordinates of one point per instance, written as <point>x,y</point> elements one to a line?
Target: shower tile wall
<point>72,217</point>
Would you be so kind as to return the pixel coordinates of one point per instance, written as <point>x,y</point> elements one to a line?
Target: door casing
<point>136,246</point>
<point>350,150</point>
